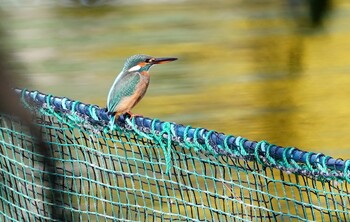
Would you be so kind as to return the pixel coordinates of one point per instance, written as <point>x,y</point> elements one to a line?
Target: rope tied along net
<point>144,169</point>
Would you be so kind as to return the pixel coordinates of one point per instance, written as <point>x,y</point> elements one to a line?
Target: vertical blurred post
<point>10,105</point>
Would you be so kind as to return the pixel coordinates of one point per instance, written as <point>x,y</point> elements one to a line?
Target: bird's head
<point>140,63</point>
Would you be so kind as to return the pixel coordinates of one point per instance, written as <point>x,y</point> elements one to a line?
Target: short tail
<point>110,113</point>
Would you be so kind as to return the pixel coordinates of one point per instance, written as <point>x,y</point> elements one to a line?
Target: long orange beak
<point>163,60</point>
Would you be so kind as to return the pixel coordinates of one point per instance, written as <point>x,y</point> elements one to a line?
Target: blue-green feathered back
<point>123,86</point>
<point>126,82</point>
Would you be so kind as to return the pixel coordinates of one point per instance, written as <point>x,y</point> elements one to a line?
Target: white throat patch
<point>134,68</point>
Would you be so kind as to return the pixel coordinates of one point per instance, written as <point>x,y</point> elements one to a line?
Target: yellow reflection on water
<point>244,69</point>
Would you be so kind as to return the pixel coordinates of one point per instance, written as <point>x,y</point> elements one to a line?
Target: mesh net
<point>147,170</point>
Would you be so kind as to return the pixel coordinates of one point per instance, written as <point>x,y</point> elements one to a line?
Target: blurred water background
<point>275,70</point>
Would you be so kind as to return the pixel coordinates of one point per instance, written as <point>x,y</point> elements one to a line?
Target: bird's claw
<point>132,115</point>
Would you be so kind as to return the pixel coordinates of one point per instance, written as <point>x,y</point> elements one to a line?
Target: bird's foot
<point>132,115</point>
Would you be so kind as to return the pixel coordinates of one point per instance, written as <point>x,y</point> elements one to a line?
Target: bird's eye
<point>150,60</point>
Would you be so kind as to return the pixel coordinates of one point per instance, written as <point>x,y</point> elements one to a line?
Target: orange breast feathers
<point>145,73</point>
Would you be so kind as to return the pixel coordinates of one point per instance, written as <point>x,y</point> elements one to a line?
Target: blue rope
<point>192,138</point>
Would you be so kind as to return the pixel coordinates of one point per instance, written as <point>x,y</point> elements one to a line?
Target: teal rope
<point>166,147</point>
<point>240,145</point>
<point>290,160</point>
<point>286,157</point>
<point>226,146</point>
<point>112,125</point>
<point>159,137</point>
<point>208,146</point>
<point>74,105</point>
<point>132,124</point>
<point>49,110</point>
<point>308,164</point>
<point>346,171</point>
<point>259,147</point>
<point>321,163</point>
<point>63,104</point>
<point>324,162</point>
<point>268,156</point>
<point>92,111</point>
<point>23,93</point>
<point>317,162</point>
<point>74,118</point>
<point>173,132</point>
<point>197,146</point>
<point>266,153</point>
<point>49,107</point>
<point>186,140</point>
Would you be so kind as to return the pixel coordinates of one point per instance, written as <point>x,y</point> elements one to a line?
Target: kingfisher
<point>131,84</point>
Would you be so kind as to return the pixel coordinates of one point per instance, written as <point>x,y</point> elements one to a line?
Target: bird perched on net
<point>131,84</point>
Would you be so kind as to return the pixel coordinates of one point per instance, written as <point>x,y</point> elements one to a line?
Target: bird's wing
<point>122,87</point>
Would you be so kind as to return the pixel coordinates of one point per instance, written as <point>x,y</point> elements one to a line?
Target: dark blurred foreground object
<point>318,11</point>
<point>10,107</point>
<point>314,11</point>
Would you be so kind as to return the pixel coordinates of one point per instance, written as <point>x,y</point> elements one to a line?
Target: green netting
<point>148,170</point>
